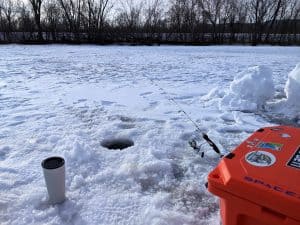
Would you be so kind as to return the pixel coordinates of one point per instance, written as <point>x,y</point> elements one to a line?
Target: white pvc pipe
<point>54,173</point>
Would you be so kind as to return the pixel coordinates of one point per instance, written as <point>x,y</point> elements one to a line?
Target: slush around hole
<point>117,143</point>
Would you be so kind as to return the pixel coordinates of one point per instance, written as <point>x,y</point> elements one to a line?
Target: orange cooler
<point>259,182</point>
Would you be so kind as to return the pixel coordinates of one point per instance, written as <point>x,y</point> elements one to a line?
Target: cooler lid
<point>264,169</point>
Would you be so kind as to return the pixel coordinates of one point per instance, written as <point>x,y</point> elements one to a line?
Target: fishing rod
<point>193,143</point>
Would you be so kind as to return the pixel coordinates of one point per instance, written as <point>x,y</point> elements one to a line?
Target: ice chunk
<point>249,90</point>
<point>292,87</point>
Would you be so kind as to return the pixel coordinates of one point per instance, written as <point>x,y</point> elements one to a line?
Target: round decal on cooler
<point>260,158</point>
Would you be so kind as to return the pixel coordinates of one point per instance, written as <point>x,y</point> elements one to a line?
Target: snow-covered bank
<point>65,100</point>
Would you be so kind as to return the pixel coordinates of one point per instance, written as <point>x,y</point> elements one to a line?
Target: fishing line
<point>175,103</point>
<point>193,142</point>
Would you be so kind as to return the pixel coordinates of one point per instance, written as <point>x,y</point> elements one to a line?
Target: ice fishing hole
<point>117,143</point>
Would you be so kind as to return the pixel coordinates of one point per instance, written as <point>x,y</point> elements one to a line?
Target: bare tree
<point>72,14</point>
<point>25,21</point>
<point>211,10</point>
<point>153,15</point>
<point>155,21</point>
<point>175,14</point>
<point>230,17</point>
<point>52,15</point>
<point>8,11</point>
<point>129,17</point>
<point>36,7</point>
<point>294,16</point>
<point>96,16</point>
<point>259,15</point>
<point>191,17</point>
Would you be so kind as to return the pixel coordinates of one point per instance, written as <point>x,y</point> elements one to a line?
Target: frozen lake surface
<point>66,100</point>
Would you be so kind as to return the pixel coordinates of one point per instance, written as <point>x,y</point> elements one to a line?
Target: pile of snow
<point>253,90</point>
<point>288,109</point>
<point>249,90</point>
<point>292,87</point>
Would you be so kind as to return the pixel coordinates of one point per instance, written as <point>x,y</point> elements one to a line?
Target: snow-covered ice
<point>66,100</point>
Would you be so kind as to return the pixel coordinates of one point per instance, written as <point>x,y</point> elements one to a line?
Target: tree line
<point>150,21</point>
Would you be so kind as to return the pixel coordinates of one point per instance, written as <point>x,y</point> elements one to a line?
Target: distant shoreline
<point>150,39</point>
<point>145,43</point>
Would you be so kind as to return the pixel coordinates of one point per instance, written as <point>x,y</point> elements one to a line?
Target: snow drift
<point>250,90</point>
<point>292,87</point>
<point>288,108</point>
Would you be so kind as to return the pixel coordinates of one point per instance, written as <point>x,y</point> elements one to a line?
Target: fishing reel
<point>198,148</point>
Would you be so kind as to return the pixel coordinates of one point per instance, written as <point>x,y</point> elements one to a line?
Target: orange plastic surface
<point>259,183</point>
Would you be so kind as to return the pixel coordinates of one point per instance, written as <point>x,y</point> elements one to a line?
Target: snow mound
<point>288,108</point>
<point>292,87</point>
<point>214,93</point>
<point>249,90</point>
<point>80,153</point>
